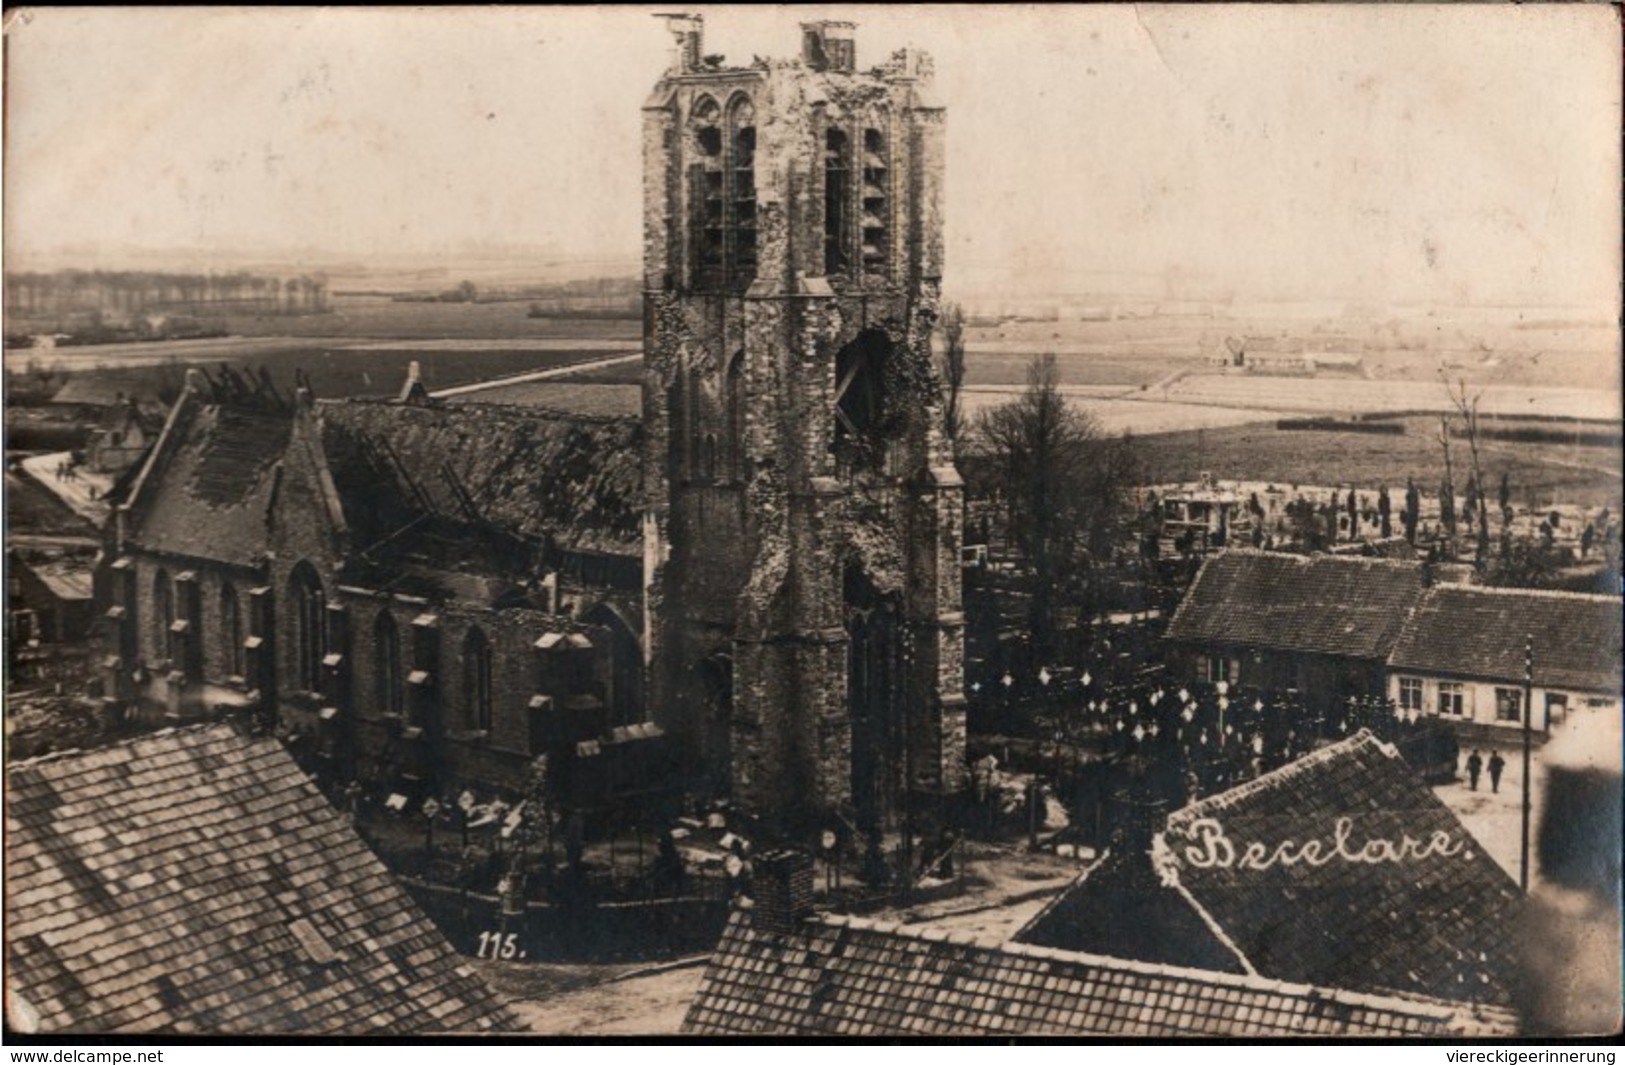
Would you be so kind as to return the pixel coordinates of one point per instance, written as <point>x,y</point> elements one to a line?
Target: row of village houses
<point>1338,627</point>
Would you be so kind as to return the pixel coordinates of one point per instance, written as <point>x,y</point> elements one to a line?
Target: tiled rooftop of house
<point>67,578</point>
<point>1119,907</point>
<point>841,976</point>
<point>1321,604</point>
<point>1343,868</point>
<point>195,880</point>
<point>1481,632</point>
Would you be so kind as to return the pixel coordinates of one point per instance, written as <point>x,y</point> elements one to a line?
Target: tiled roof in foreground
<point>845,976</point>
<point>195,880</point>
<point>1344,868</point>
<point>1341,869</point>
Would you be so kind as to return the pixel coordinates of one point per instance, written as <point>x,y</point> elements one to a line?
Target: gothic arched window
<point>388,678</point>
<point>163,613</point>
<point>231,631</point>
<point>708,192</point>
<point>876,202</point>
<point>736,417</point>
<point>309,602</point>
<point>742,190</point>
<point>860,370</point>
<point>722,191</point>
<point>837,190</point>
<point>477,680</point>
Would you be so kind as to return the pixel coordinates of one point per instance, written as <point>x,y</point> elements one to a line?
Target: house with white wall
<point>1462,654</point>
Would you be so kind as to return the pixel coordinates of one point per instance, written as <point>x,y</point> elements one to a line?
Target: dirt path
<point>538,375</point>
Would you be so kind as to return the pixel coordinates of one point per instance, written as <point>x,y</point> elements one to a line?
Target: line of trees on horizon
<point>125,293</point>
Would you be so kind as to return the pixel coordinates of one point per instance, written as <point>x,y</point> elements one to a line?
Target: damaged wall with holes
<point>803,514</point>
<point>418,596</point>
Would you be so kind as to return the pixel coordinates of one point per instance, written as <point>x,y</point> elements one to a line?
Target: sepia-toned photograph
<point>954,522</point>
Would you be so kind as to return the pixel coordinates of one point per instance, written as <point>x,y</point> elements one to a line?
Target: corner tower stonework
<point>803,514</point>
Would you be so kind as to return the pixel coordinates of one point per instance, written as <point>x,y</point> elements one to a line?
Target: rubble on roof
<point>531,474</point>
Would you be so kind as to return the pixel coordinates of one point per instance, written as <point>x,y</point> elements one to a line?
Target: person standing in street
<point>1497,764</point>
<point>1475,765</point>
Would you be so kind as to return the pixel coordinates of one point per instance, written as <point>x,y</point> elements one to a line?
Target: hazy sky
<point>1458,154</point>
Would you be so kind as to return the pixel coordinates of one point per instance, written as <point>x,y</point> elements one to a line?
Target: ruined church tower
<point>803,522</point>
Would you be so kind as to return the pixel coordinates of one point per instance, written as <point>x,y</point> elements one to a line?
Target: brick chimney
<point>783,890</point>
<point>1137,815</point>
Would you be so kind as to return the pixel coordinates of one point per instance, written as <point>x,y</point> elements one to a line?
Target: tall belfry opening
<point>803,514</point>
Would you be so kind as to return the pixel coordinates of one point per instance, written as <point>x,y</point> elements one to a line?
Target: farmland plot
<point>1354,396</point>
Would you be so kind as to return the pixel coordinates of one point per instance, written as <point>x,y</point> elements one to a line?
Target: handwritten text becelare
<point>1211,848</point>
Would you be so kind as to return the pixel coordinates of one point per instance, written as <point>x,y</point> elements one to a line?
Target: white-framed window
<point>1410,693</point>
<point>1214,668</point>
<point>1508,704</point>
<point>1452,698</point>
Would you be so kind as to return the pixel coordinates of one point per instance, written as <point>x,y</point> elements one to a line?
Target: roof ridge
<point>1311,559</point>
<point>1527,593</point>
<point>1395,1002</point>
<point>125,742</point>
<point>1230,796</point>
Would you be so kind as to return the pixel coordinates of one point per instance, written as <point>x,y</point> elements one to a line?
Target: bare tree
<point>1067,486</point>
<point>953,368</point>
<point>1447,487</point>
<point>1467,407</point>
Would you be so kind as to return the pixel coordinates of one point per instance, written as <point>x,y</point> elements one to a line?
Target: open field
<point>1491,348</point>
<point>1356,396</point>
<point>371,316</point>
<point>1115,415</point>
<point>236,349</point>
<point>1540,474</point>
<point>1144,375</point>
<point>994,367</point>
<point>336,368</point>
<point>624,373</point>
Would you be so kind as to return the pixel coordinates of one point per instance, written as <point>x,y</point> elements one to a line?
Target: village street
<point>86,492</point>
<point>1006,887</point>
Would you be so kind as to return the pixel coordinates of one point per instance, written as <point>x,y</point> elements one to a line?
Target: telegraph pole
<point>1528,713</point>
